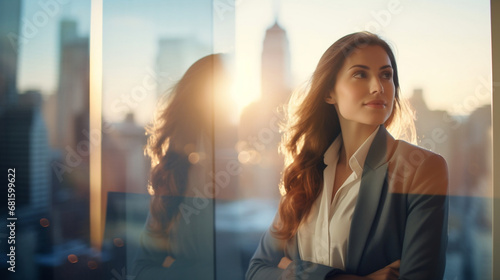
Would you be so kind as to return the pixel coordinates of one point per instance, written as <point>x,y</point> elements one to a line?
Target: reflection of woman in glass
<point>357,204</point>
<point>177,242</point>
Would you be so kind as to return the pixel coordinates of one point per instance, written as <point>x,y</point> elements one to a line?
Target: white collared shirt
<point>323,236</point>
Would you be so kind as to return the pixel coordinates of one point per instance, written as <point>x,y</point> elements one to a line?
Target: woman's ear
<point>330,99</point>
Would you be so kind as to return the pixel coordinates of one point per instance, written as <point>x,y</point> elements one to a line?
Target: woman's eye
<point>387,75</point>
<point>359,75</point>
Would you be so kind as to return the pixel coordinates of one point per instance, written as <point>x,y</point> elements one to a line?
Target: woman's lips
<point>377,104</point>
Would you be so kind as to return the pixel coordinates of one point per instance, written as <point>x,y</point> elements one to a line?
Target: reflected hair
<point>311,125</point>
<point>184,113</point>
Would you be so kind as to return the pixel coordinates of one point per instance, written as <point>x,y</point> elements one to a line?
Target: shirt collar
<point>357,160</point>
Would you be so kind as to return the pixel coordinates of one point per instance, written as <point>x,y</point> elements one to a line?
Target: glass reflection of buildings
<point>175,55</point>
<point>464,142</point>
<point>23,147</point>
<point>124,167</point>
<point>52,183</point>
<point>67,115</point>
<point>10,14</point>
<point>72,125</point>
<point>73,86</point>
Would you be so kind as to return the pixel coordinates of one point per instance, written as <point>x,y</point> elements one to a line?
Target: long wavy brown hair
<point>312,125</point>
<point>185,113</point>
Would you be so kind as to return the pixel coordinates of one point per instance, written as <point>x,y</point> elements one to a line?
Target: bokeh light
<point>118,242</point>
<point>44,222</point>
<point>72,258</point>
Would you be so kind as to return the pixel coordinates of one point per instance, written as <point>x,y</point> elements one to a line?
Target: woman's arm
<point>266,261</point>
<point>390,272</point>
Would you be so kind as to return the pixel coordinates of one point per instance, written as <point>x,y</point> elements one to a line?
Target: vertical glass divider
<point>495,42</point>
<point>96,208</point>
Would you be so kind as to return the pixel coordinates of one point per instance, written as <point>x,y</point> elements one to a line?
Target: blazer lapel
<point>372,183</point>
<point>292,249</point>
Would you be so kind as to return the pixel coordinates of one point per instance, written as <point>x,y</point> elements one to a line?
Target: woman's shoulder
<point>426,172</point>
<point>411,152</point>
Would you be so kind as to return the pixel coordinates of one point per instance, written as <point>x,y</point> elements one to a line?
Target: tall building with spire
<point>276,77</point>
<point>259,132</point>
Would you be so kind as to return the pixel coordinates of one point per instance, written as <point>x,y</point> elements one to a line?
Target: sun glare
<point>245,88</point>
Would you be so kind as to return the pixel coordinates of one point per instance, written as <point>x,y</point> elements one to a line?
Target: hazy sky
<point>38,56</point>
<point>441,47</point>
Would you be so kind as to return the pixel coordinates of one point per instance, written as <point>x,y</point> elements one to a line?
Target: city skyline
<point>454,73</point>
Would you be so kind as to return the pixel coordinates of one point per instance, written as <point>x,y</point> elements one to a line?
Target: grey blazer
<point>401,213</point>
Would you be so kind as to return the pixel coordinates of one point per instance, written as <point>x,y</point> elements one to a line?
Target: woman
<point>356,203</point>
<point>177,242</point>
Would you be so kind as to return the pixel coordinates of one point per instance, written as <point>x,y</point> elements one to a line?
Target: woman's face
<point>364,91</point>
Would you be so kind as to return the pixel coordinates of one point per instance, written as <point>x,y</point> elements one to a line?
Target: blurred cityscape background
<point>273,47</point>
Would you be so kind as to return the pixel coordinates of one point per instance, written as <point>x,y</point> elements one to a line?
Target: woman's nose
<point>376,86</point>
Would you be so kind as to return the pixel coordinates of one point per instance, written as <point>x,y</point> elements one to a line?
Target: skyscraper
<point>23,145</point>
<point>175,55</point>
<point>24,148</point>
<point>276,77</point>
<point>10,13</point>
<point>259,132</point>
<point>73,87</point>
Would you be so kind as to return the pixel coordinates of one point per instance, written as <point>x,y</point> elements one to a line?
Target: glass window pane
<point>44,116</point>
<point>158,92</point>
